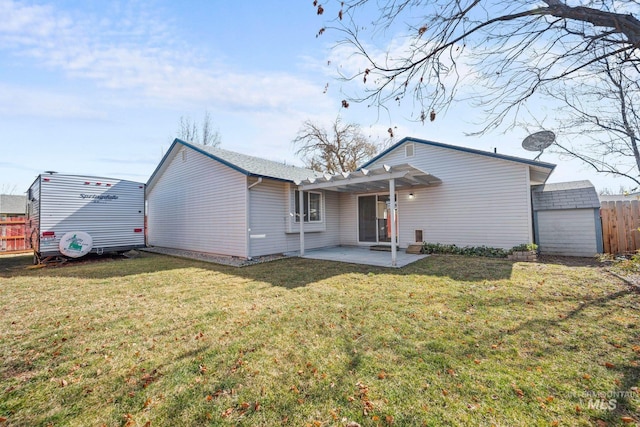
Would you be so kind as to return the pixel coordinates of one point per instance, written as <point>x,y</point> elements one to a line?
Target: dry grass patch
<point>445,341</point>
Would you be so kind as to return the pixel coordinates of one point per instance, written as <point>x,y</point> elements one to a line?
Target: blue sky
<point>98,88</point>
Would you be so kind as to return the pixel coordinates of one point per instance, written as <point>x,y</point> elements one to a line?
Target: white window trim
<point>321,207</point>
<point>309,227</point>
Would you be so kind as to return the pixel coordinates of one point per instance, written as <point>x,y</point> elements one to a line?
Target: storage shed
<point>566,219</point>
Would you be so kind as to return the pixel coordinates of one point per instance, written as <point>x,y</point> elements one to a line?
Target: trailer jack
<point>48,261</point>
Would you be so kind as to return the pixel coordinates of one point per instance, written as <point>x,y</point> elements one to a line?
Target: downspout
<point>248,216</point>
<point>254,184</point>
<point>531,214</point>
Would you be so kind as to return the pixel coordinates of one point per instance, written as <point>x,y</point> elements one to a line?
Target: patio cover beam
<point>366,180</point>
<point>352,181</point>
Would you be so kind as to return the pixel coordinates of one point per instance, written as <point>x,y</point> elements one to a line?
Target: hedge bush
<point>485,251</point>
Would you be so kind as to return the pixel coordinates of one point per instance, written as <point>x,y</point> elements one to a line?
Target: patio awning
<point>366,180</point>
<point>385,178</point>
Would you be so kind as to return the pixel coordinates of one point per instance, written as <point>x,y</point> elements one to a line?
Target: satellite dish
<point>538,141</point>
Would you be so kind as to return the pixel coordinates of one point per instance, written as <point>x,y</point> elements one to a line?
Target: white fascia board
<point>352,181</point>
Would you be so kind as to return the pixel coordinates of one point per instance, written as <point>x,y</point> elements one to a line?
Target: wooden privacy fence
<point>12,234</point>
<point>620,222</point>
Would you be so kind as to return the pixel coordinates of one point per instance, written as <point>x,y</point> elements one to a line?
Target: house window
<point>312,206</point>
<point>408,150</point>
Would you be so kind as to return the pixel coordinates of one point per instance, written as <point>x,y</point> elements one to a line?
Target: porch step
<point>383,248</point>
<point>414,249</point>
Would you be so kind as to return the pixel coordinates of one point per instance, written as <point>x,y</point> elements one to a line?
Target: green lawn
<point>449,340</point>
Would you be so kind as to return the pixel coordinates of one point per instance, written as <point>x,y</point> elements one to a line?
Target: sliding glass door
<point>374,218</point>
<point>367,219</point>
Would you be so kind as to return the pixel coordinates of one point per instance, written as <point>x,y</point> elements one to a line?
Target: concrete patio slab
<point>360,255</point>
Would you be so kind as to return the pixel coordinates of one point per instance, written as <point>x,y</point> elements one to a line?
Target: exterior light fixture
<point>411,196</point>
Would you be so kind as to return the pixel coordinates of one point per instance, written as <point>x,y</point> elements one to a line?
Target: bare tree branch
<point>498,56</point>
<point>341,149</point>
<point>208,135</point>
<point>601,121</point>
<point>8,188</point>
<point>515,47</point>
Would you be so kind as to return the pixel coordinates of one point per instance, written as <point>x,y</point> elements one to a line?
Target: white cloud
<point>20,101</point>
<point>131,51</point>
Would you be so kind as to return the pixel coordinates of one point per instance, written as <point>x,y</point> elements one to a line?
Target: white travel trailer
<point>74,215</point>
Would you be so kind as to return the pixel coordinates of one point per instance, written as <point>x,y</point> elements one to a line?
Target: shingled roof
<point>12,204</point>
<point>565,195</point>
<point>248,165</point>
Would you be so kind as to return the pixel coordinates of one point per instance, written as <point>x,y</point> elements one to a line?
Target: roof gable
<point>243,163</point>
<point>549,166</point>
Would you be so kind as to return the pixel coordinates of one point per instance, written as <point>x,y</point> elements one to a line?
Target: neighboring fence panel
<point>620,223</point>
<point>12,234</point>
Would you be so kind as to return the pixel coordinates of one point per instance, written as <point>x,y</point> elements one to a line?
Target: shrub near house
<point>522,252</point>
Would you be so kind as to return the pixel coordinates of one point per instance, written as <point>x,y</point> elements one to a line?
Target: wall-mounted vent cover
<point>408,150</point>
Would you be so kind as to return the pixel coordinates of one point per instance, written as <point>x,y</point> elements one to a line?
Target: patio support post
<point>392,203</point>
<point>301,219</point>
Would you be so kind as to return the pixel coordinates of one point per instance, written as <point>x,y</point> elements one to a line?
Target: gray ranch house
<point>218,201</point>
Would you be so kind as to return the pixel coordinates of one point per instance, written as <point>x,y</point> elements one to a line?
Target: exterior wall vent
<point>408,150</point>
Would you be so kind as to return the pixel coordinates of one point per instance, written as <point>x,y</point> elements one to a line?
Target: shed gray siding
<point>199,204</point>
<point>569,232</point>
<point>482,200</point>
<point>567,219</point>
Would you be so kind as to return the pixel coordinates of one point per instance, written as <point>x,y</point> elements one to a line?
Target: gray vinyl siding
<point>331,235</point>
<point>569,232</point>
<point>481,201</point>
<point>348,219</point>
<point>268,218</point>
<point>110,210</point>
<point>199,204</point>
<point>270,203</point>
